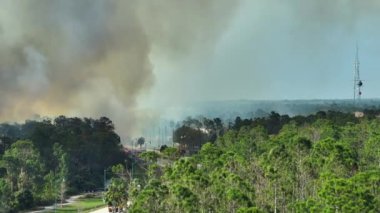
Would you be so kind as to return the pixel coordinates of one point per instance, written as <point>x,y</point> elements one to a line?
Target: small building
<point>359,114</point>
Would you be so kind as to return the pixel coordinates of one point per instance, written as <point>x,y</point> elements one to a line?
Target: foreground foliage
<point>320,163</point>
<point>42,162</point>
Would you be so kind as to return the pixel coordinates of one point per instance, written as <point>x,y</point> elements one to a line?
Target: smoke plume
<point>92,57</point>
<point>130,59</point>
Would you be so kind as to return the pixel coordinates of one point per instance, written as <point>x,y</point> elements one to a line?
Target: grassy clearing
<point>82,205</point>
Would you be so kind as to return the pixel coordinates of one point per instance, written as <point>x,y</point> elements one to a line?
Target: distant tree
<point>141,141</point>
<point>163,147</point>
<point>5,143</point>
<point>171,153</point>
<point>192,123</point>
<point>149,156</point>
<point>189,138</point>
<point>274,123</point>
<point>219,126</point>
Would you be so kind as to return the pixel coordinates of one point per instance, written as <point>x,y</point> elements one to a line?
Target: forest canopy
<point>42,160</point>
<point>324,162</point>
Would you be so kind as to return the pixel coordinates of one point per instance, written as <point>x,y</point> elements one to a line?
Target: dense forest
<point>325,162</point>
<point>43,161</point>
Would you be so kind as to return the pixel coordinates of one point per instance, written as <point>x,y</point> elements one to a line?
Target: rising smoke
<point>92,57</point>
<point>98,57</point>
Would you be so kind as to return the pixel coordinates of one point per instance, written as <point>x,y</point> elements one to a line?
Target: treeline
<point>43,161</point>
<point>325,162</point>
<point>228,110</point>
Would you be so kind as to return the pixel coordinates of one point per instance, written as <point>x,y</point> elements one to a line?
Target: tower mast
<point>357,82</point>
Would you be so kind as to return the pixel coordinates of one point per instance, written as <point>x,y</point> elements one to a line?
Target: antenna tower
<point>358,84</point>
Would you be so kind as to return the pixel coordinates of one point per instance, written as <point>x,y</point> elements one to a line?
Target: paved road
<point>102,210</point>
<point>71,200</point>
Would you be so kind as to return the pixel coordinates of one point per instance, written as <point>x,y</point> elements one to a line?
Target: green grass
<point>83,205</point>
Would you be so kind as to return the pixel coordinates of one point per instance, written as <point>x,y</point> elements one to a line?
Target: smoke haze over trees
<point>92,58</point>
<point>264,89</point>
<point>122,59</point>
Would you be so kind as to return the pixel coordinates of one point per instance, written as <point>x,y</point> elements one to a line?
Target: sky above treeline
<point>131,59</point>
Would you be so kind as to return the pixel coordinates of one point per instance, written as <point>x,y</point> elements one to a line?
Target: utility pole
<point>105,185</point>
<point>275,197</point>
<point>173,136</point>
<point>62,191</point>
<point>56,193</point>
<point>104,179</point>
<point>165,134</point>
<point>133,162</point>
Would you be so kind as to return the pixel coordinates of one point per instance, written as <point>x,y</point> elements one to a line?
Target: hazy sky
<point>131,59</point>
<point>289,49</point>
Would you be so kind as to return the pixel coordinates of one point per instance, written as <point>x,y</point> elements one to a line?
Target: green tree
<point>50,191</point>
<point>25,199</point>
<point>7,198</point>
<point>141,141</point>
<point>371,153</point>
<point>24,171</point>
<point>333,156</point>
<point>117,192</point>
<point>344,195</point>
<point>190,139</point>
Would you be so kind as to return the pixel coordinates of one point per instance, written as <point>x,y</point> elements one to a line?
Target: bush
<point>25,199</point>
